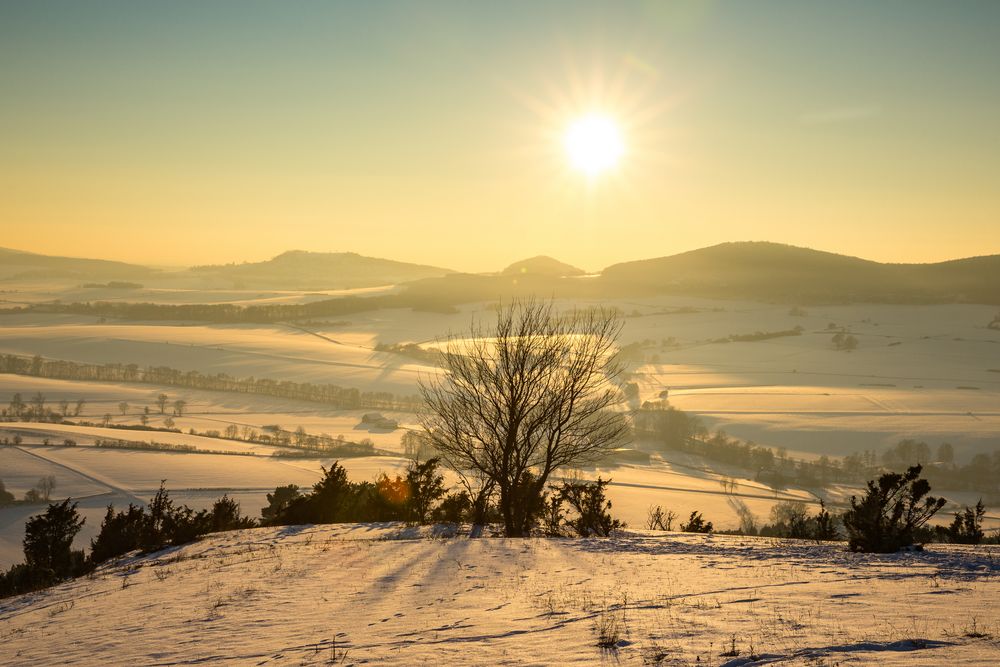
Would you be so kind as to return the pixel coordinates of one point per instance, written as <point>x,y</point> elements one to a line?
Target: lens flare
<point>593,144</point>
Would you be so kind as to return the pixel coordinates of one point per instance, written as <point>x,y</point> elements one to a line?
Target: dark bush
<point>455,507</point>
<point>825,525</point>
<point>967,528</point>
<point>225,515</point>
<point>48,554</point>
<point>891,512</point>
<point>696,524</point>
<point>332,499</point>
<point>162,524</point>
<point>592,511</point>
<point>121,532</point>
<point>48,539</point>
<point>425,486</point>
<point>278,501</point>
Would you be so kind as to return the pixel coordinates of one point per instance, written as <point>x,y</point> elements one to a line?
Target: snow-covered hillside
<point>385,594</point>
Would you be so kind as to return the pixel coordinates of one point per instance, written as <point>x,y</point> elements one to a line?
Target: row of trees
<point>232,313</point>
<point>420,497</point>
<point>329,394</point>
<point>304,443</point>
<point>37,408</point>
<point>679,431</point>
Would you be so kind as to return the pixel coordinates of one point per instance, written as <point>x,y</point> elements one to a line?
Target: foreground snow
<point>391,595</point>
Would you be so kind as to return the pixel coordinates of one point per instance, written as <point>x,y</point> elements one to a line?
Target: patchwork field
<point>923,372</point>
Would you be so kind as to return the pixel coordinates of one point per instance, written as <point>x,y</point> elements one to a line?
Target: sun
<point>593,144</point>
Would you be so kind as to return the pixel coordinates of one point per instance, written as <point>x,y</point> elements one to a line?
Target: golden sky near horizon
<point>436,132</point>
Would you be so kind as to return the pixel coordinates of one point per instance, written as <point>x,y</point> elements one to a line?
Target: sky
<point>190,132</point>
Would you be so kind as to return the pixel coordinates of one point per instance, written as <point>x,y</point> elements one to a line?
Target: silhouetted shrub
<point>455,507</point>
<point>49,536</point>
<point>278,501</point>
<point>844,342</point>
<point>592,510</point>
<point>892,510</point>
<point>161,524</point>
<point>825,525</point>
<point>329,501</point>
<point>697,524</point>
<point>967,528</point>
<point>121,532</point>
<point>225,515</point>
<point>789,519</point>
<point>48,554</point>
<point>551,517</point>
<point>425,486</point>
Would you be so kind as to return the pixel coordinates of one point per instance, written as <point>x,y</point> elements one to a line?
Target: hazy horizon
<point>469,269</point>
<point>431,132</point>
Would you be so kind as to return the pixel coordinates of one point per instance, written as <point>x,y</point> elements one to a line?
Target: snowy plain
<point>390,595</point>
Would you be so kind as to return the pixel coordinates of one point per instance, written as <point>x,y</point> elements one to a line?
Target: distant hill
<point>298,269</point>
<point>776,272</point>
<point>542,265</point>
<point>18,264</point>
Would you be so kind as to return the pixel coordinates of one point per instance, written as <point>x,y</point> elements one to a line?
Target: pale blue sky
<point>428,131</point>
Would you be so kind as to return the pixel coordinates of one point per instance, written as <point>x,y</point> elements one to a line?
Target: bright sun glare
<point>593,144</point>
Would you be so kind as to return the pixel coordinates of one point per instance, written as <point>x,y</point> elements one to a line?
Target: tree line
<point>233,313</point>
<point>328,394</point>
<point>677,430</point>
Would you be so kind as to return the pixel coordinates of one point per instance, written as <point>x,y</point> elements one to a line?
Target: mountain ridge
<point>22,264</point>
<point>755,270</point>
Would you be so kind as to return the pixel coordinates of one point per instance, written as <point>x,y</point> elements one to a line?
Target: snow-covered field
<point>923,372</point>
<point>930,372</point>
<point>382,594</point>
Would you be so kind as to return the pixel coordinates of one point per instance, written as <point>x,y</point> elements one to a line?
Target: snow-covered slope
<point>384,594</point>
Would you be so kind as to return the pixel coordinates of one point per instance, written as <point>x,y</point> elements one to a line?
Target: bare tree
<point>520,399</point>
<point>45,486</point>
<point>161,401</point>
<point>179,406</point>
<point>123,407</point>
<point>16,405</point>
